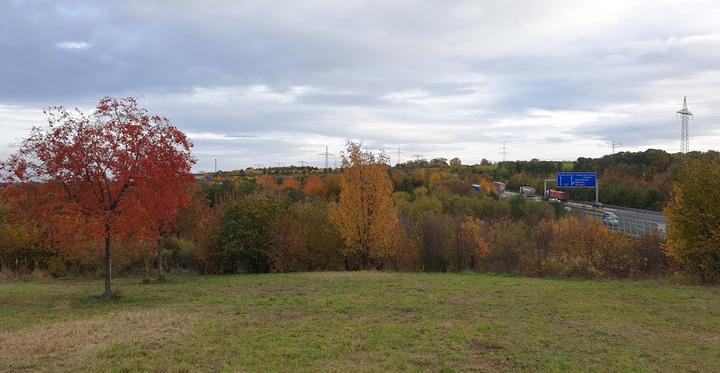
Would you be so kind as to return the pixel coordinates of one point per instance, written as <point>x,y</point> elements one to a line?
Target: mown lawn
<point>366,321</point>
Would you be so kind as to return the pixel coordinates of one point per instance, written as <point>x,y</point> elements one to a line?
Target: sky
<point>266,83</point>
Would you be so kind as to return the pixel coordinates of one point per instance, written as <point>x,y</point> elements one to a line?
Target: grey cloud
<point>278,79</point>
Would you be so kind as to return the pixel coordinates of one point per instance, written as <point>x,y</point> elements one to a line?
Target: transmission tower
<point>327,155</point>
<point>504,151</point>
<point>615,145</point>
<point>685,115</point>
<point>398,154</point>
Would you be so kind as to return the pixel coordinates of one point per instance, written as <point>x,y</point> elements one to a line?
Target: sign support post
<point>597,193</point>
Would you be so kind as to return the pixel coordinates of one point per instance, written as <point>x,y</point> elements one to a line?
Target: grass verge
<point>367,321</point>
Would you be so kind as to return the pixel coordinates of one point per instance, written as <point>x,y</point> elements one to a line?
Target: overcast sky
<point>270,82</point>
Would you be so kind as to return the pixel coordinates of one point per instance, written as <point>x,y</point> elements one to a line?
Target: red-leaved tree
<point>159,202</point>
<point>110,165</point>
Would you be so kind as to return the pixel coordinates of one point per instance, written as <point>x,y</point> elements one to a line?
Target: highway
<point>631,221</point>
<point>634,222</point>
<point>627,213</point>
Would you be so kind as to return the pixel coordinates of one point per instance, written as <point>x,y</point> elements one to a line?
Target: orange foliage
<point>290,183</point>
<point>268,182</point>
<point>315,187</point>
<point>398,177</point>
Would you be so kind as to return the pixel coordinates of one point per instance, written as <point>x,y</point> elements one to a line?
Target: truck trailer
<point>559,195</point>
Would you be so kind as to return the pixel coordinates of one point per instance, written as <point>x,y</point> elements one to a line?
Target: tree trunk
<point>161,276</point>
<point>108,265</point>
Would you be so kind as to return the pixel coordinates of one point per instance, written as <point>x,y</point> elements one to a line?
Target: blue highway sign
<point>576,179</point>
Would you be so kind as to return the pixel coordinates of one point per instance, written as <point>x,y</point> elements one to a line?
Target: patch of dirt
<point>483,346</point>
<point>488,357</point>
<point>477,363</point>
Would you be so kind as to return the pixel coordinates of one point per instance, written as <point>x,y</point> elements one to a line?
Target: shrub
<point>508,241</point>
<point>244,235</point>
<point>586,248</point>
<point>304,240</point>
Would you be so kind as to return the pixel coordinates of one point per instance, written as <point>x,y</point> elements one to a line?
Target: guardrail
<point>629,226</point>
<point>639,211</point>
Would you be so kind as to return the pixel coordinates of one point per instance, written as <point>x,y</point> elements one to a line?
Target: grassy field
<point>366,321</point>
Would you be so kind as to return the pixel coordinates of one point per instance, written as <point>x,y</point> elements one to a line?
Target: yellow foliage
<point>693,220</point>
<point>365,215</point>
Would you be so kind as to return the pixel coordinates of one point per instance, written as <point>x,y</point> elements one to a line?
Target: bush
<point>586,248</point>
<point>302,239</point>
<point>244,236</point>
<point>509,242</point>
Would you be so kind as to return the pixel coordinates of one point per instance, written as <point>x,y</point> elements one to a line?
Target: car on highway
<point>527,191</point>
<point>610,219</point>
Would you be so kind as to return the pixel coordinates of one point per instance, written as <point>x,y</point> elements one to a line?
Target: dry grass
<point>73,345</point>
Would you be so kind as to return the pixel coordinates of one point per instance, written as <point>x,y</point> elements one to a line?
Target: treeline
<point>365,217</point>
<point>641,180</point>
<point>112,191</point>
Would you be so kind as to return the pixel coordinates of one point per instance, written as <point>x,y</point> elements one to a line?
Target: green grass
<point>364,321</point>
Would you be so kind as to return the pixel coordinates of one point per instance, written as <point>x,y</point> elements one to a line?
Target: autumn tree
<point>365,215</point>
<point>398,177</point>
<point>314,187</point>
<point>693,220</point>
<point>59,229</point>
<point>290,183</point>
<point>200,223</point>
<point>104,163</point>
<point>16,239</point>
<point>268,182</point>
<point>158,207</point>
<point>471,244</point>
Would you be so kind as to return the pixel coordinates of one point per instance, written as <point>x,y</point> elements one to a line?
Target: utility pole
<point>215,165</point>
<point>685,116</point>
<point>504,151</point>
<point>327,155</point>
